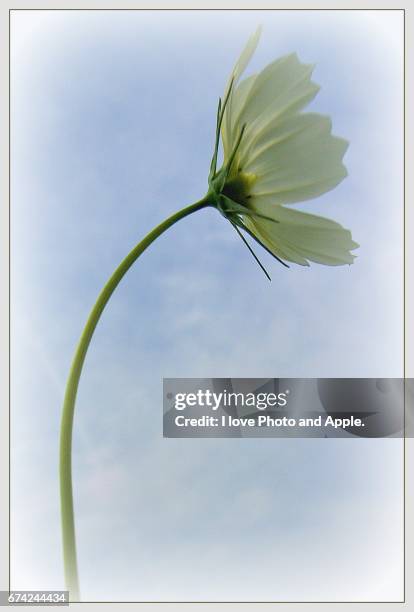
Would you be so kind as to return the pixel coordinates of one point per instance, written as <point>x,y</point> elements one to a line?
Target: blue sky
<point>112,130</point>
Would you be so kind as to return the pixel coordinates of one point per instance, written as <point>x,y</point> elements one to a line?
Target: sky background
<point>112,130</point>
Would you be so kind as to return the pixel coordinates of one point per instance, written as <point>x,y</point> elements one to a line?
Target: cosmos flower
<point>275,156</point>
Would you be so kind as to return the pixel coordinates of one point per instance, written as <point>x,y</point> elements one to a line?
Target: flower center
<point>238,187</point>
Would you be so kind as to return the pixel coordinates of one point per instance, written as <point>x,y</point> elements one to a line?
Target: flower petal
<point>245,56</point>
<point>282,88</point>
<point>297,159</point>
<point>235,104</point>
<point>237,71</point>
<point>300,237</point>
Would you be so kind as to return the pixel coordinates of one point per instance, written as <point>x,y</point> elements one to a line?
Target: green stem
<point>65,470</point>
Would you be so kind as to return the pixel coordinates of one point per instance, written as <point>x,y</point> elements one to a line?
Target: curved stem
<point>65,470</point>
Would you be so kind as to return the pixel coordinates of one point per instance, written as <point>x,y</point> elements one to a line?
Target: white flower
<point>275,156</point>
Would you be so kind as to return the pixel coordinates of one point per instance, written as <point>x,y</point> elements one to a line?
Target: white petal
<point>282,88</point>
<point>296,160</point>
<point>235,104</point>
<point>244,58</point>
<point>237,71</point>
<point>300,237</point>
